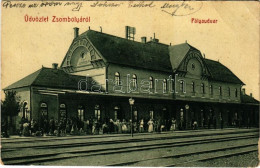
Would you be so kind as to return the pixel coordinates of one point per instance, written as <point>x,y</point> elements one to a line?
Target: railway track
<point>142,162</point>
<point>47,157</point>
<point>86,142</point>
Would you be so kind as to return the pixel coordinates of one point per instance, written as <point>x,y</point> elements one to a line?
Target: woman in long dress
<point>124,127</point>
<point>150,125</point>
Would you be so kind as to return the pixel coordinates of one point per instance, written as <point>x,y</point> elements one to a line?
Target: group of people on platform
<point>74,126</point>
<point>93,126</point>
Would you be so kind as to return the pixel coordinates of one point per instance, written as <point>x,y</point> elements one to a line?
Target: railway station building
<point>100,72</point>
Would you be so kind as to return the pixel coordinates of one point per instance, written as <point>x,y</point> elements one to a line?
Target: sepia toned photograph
<point>130,83</point>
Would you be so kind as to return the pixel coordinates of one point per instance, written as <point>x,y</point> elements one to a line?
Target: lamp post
<point>131,102</point>
<point>187,107</point>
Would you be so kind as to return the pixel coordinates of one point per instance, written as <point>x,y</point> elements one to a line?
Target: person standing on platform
<point>150,126</point>
<point>124,127</point>
<point>141,126</point>
<point>111,126</point>
<point>119,127</point>
<point>173,125</point>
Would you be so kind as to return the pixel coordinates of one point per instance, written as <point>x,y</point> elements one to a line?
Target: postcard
<point>130,83</point>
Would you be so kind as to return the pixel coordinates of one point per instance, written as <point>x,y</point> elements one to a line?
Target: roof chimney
<point>76,32</point>
<point>251,94</point>
<point>130,33</point>
<point>54,66</point>
<point>243,91</point>
<point>143,39</point>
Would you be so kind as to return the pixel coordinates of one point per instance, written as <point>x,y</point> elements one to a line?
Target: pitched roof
<point>177,53</point>
<point>48,77</point>
<point>219,72</point>
<point>248,99</point>
<point>119,50</point>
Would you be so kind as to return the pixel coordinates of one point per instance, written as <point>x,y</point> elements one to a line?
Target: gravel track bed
<point>132,156</point>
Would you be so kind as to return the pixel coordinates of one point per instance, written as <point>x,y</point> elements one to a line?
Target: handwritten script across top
<point>174,8</point>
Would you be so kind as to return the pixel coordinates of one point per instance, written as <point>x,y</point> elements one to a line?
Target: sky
<point>233,40</point>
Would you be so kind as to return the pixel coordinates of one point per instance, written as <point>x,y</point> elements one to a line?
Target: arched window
<point>211,89</point>
<point>81,113</point>
<point>117,78</point>
<point>97,112</point>
<point>26,112</point>
<point>182,88</point>
<point>236,92</point>
<point>151,82</point>
<point>44,110</point>
<point>164,86</point>
<point>229,91</point>
<point>134,81</point>
<point>193,87</point>
<point>63,113</point>
<point>203,88</point>
<point>220,90</point>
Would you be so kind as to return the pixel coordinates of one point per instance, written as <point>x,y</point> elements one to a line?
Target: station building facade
<point>100,72</point>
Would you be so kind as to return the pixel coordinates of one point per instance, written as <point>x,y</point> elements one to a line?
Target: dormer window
<point>83,55</point>
<point>192,66</point>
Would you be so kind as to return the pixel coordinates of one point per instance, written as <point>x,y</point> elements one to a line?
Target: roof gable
<point>123,51</point>
<point>177,54</point>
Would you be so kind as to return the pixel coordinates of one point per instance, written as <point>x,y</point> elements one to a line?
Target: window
<point>44,110</point>
<point>229,91</point>
<point>203,88</point>
<point>63,113</point>
<point>117,78</point>
<point>211,89</point>
<point>83,55</point>
<point>81,113</point>
<point>236,92</point>
<point>151,114</point>
<point>97,112</point>
<point>135,115</point>
<point>192,66</point>
<point>164,86</point>
<point>182,89</point>
<point>151,82</point>
<point>193,87</point>
<point>26,113</point>
<point>220,90</point>
<point>134,81</point>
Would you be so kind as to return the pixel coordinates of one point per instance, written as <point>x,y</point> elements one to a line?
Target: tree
<point>10,107</point>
